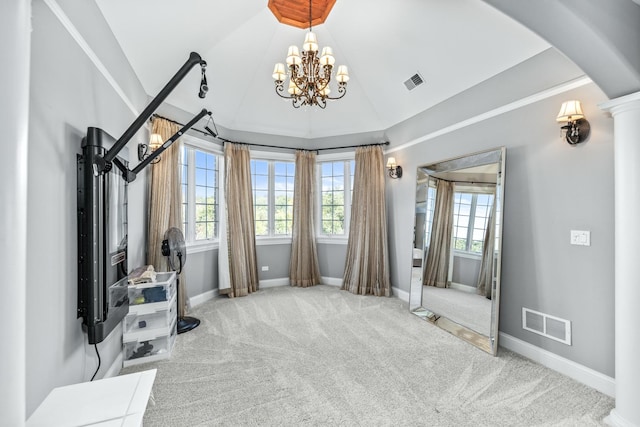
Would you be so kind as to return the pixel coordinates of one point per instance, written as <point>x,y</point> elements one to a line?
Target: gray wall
<point>331,258</point>
<point>550,188</point>
<point>202,267</point>
<point>201,272</point>
<point>276,257</point>
<point>68,94</point>
<point>465,271</point>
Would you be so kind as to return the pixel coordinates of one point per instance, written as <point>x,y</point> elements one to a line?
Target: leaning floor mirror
<point>455,280</point>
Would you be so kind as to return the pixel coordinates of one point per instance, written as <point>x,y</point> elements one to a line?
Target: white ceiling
<point>453,44</point>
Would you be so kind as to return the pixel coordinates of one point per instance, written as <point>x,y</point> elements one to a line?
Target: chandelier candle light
<point>310,74</point>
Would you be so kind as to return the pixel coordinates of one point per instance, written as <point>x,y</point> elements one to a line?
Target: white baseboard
<point>331,281</point>
<point>337,281</point>
<point>202,298</point>
<point>400,294</point>
<point>272,283</point>
<point>578,372</point>
<point>615,420</point>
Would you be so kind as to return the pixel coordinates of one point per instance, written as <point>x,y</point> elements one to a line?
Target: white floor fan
<point>174,248</point>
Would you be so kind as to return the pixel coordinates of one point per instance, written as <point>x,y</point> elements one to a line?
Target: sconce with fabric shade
<point>577,127</point>
<point>145,150</point>
<point>395,171</point>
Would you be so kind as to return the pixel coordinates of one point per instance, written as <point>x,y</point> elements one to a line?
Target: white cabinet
<point>150,326</point>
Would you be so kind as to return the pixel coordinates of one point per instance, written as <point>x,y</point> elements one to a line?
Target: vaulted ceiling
<point>452,45</point>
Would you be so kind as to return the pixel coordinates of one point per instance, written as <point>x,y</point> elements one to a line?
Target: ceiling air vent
<point>415,80</point>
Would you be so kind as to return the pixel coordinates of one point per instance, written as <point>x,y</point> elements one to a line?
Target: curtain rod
<point>215,136</point>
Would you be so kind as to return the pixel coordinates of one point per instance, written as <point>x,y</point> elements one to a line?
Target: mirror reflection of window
<point>470,215</point>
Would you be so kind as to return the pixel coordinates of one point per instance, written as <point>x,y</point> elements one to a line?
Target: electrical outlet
<point>580,237</point>
<point>265,268</point>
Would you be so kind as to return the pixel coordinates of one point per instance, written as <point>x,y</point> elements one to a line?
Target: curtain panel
<point>304,270</point>
<point>436,271</point>
<point>165,202</point>
<point>485,277</point>
<point>243,264</point>
<point>367,264</point>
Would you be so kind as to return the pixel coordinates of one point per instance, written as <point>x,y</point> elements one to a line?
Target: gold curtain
<point>303,268</point>
<point>485,278</point>
<point>436,270</point>
<point>165,201</point>
<point>243,264</point>
<point>367,265</point>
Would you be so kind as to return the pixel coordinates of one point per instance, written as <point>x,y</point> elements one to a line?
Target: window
<point>272,182</point>
<point>470,215</point>
<point>199,169</point>
<point>335,201</point>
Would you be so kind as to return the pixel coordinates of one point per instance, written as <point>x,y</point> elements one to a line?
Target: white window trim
<point>472,220</point>
<point>465,254</point>
<point>189,141</point>
<point>271,157</point>
<point>333,238</point>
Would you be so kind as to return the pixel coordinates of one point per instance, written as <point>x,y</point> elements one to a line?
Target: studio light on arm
<point>395,171</point>
<point>577,127</point>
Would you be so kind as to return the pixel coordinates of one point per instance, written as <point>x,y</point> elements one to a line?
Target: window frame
<point>271,158</point>
<point>474,191</point>
<point>191,143</point>
<point>347,158</point>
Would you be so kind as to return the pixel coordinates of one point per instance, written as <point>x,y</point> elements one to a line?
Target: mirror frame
<point>416,304</point>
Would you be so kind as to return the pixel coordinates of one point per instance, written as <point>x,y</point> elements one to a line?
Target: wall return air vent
<point>414,81</point>
<point>546,325</point>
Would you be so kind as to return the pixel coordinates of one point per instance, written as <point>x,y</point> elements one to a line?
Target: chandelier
<point>310,74</point>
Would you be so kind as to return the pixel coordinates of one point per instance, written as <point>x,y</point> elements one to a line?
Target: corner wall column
<point>15,38</point>
<point>626,116</point>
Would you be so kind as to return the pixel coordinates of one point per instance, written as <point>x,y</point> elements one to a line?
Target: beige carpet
<point>321,356</point>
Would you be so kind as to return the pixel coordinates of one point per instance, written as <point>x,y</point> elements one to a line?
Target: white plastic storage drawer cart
<point>150,326</point>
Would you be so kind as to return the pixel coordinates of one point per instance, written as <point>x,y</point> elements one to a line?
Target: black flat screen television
<point>103,299</point>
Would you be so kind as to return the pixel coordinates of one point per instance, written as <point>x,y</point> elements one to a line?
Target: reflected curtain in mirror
<point>367,266</point>
<point>303,268</point>
<point>243,264</point>
<point>485,278</point>
<point>436,271</point>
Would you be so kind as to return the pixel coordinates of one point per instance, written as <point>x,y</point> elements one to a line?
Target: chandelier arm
<point>279,88</point>
<point>342,89</point>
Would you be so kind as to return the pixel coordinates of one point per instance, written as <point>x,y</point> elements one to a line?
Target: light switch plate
<point>581,237</point>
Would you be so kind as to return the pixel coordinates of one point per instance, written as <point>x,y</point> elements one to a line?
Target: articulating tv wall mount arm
<point>103,164</point>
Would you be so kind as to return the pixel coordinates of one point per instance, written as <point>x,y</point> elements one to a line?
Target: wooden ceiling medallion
<point>296,12</point>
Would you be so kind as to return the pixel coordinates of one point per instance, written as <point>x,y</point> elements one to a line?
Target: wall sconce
<point>395,171</point>
<point>577,127</point>
<point>145,150</point>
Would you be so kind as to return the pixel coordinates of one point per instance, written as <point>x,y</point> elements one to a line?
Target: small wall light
<point>577,127</point>
<point>145,150</point>
<point>395,171</point>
